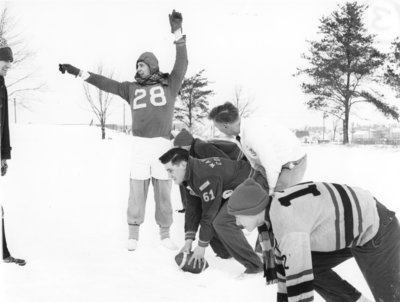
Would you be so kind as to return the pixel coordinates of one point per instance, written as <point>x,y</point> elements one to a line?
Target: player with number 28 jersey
<point>152,103</point>
<point>151,98</point>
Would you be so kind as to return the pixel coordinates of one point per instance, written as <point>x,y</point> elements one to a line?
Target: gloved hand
<point>68,68</point>
<point>4,167</point>
<point>175,20</point>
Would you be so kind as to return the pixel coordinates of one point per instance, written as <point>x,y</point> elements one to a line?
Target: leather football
<point>182,260</point>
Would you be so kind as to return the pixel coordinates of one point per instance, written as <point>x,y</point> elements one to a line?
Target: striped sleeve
<point>296,256</point>
<point>190,235</point>
<point>352,218</point>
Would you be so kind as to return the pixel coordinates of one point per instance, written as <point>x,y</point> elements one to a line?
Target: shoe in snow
<point>169,244</point>
<point>20,262</point>
<point>132,244</point>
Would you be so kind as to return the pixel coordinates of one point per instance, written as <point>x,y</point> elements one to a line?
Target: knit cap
<point>249,198</point>
<point>5,51</point>
<point>183,138</point>
<point>150,59</point>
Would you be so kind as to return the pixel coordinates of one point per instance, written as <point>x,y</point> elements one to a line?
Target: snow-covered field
<point>65,198</point>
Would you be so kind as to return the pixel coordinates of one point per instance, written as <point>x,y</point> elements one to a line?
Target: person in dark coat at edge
<point>6,58</point>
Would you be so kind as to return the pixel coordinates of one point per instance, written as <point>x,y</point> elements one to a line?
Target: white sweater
<point>268,146</point>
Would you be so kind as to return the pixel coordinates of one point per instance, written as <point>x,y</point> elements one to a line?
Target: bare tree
<point>244,104</point>
<point>22,75</point>
<point>99,101</point>
<point>335,125</point>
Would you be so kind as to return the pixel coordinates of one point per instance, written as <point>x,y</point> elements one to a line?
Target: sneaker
<point>132,244</point>
<point>20,262</point>
<point>249,273</point>
<point>169,244</point>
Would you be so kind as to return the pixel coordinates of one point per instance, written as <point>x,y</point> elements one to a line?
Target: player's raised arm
<point>181,61</point>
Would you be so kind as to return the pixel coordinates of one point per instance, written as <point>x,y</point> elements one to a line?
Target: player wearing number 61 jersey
<point>152,99</point>
<point>213,180</point>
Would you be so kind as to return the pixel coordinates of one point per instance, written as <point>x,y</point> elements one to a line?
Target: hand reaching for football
<point>197,257</point>
<point>187,248</point>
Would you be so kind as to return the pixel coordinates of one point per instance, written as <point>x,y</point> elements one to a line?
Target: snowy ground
<point>65,198</point>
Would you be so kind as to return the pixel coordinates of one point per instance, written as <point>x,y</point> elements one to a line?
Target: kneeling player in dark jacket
<point>210,181</point>
<point>203,149</point>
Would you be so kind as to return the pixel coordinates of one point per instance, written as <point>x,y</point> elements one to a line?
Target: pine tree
<point>342,66</point>
<point>392,74</point>
<point>193,104</point>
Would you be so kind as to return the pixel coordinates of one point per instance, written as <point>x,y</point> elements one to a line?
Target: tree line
<point>344,67</point>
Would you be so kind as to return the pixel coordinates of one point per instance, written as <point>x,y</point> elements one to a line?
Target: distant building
<point>376,134</point>
<point>360,135</point>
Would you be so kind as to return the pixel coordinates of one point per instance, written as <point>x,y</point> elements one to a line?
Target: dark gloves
<point>68,68</point>
<point>175,19</point>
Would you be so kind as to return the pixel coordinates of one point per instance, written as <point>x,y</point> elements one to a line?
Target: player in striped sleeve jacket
<point>212,180</point>
<point>316,227</point>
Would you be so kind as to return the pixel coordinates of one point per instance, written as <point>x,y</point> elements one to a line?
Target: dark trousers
<point>6,252</point>
<point>219,248</point>
<point>328,284</point>
<point>234,240</point>
<point>378,259</point>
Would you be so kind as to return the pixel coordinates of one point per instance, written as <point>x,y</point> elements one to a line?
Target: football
<point>182,260</point>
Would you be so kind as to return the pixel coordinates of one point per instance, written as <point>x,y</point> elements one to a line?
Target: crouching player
<point>312,227</point>
<point>211,179</point>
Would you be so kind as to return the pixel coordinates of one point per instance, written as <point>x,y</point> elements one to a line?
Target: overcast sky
<point>253,44</point>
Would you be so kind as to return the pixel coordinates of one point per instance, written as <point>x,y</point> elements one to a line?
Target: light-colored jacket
<point>268,146</point>
<point>321,217</point>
